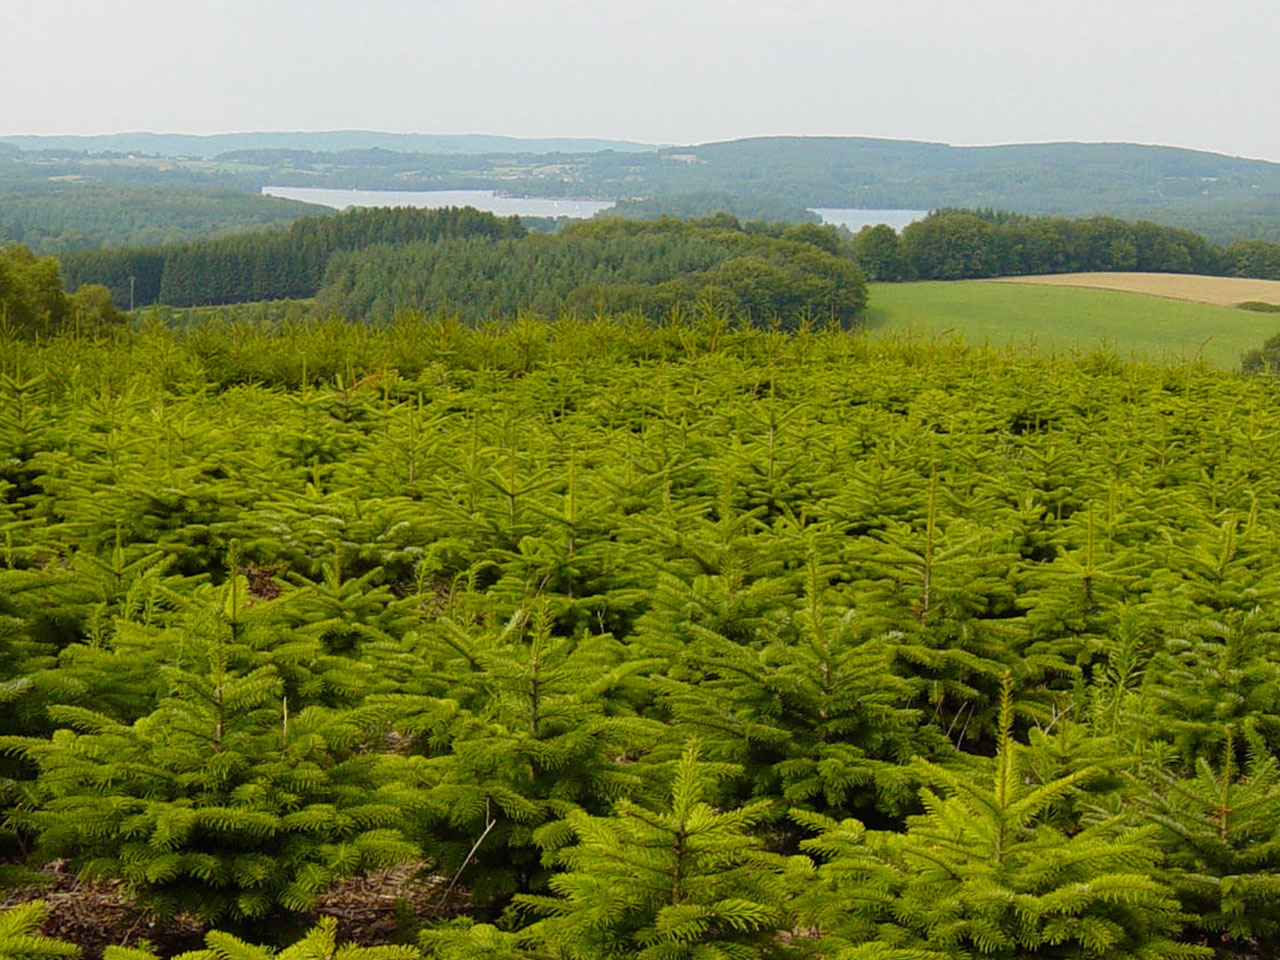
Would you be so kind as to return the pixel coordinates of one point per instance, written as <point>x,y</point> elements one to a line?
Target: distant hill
<point>189,145</point>
<point>1220,196</point>
<point>1037,178</point>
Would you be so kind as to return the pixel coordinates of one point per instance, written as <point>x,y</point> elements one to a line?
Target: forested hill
<point>1051,177</point>
<point>61,216</point>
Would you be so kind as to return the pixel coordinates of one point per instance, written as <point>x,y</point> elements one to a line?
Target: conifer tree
<point>982,873</point>
<point>1072,602</point>
<point>1215,681</point>
<point>221,801</point>
<point>815,710</point>
<point>1221,831</point>
<point>541,731</point>
<point>683,880</point>
<point>26,423</point>
<point>946,588</point>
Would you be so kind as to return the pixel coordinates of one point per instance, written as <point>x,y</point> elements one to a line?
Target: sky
<point>658,71</point>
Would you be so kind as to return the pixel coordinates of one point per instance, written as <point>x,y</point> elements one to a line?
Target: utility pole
<point>132,278</point>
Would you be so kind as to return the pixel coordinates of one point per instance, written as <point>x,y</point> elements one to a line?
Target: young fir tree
<point>26,428</point>
<point>1221,830</point>
<point>981,873</point>
<point>538,729</point>
<point>1214,679</point>
<point>574,563</point>
<point>119,669</point>
<point>1073,602</point>
<point>944,582</point>
<point>683,881</point>
<point>220,802</point>
<point>815,710</point>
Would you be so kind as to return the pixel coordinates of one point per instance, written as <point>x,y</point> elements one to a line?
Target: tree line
<point>52,218</point>
<point>758,272</point>
<point>33,302</point>
<point>692,206</point>
<point>266,264</point>
<point>373,262</point>
<point>971,244</point>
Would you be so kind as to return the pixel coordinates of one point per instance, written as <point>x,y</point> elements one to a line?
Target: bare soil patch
<point>385,907</point>
<point>1219,291</point>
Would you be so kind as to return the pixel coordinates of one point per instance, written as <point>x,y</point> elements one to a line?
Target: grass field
<point>1062,318</point>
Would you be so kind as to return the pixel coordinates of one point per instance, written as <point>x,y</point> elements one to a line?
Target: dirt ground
<point>1219,291</point>
<point>385,907</point>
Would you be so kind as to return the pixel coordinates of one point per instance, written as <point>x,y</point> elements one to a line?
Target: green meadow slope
<point>1063,319</point>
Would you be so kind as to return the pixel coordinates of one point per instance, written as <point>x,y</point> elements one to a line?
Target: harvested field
<point>1219,291</point>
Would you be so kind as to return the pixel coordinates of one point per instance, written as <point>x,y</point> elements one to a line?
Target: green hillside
<point>1057,177</point>
<point>1062,319</point>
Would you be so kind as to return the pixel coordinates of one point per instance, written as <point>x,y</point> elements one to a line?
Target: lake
<point>431,199</point>
<point>503,206</point>
<point>856,219</point>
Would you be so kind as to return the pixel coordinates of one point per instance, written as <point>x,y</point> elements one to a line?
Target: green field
<point>1062,319</point>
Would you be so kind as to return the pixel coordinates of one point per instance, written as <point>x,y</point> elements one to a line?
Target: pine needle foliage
<point>218,803</point>
<point>20,937</point>
<point>464,939</point>
<point>685,880</point>
<point>1220,828</point>
<point>982,874</point>
<point>541,731</point>
<point>320,943</point>
<point>469,582</point>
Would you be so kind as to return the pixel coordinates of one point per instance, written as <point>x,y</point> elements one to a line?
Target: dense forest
<point>681,640</point>
<point>52,218</point>
<point>371,263</point>
<point>759,273</point>
<point>970,244</point>
<point>268,264</point>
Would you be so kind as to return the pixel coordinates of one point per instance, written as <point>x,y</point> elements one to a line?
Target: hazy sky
<point>673,71</point>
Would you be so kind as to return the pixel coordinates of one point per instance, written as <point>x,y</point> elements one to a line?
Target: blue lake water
<point>856,219</point>
<point>504,206</point>
<point>431,199</point>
